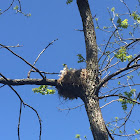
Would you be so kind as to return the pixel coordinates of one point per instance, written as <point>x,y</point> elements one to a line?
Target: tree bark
<point>19,82</point>
<point>90,97</point>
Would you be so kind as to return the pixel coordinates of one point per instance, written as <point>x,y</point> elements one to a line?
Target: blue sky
<point>49,20</point>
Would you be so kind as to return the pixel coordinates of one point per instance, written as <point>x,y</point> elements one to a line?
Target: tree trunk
<point>90,98</point>
<point>97,124</point>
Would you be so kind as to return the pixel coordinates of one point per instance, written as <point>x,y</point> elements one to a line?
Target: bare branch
<point>17,82</point>
<point>127,117</point>
<point>133,60</point>
<point>125,135</point>
<point>19,120</point>
<point>23,60</point>
<point>8,7</point>
<point>2,86</point>
<point>12,46</point>
<point>24,104</point>
<point>70,108</point>
<point>107,44</point>
<point>124,74</point>
<point>122,86</point>
<point>40,55</point>
<point>109,103</point>
<point>126,6</point>
<point>115,74</point>
<point>109,133</point>
<point>126,46</point>
<point>19,4</point>
<point>120,96</point>
<point>107,67</point>
<point>46,72</point>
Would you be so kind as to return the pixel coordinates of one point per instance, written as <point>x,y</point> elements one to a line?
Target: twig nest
<point>71,83</point>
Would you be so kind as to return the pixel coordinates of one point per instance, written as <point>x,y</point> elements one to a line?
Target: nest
<point>71,83</point>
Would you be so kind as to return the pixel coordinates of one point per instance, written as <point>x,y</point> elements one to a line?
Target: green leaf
<point>119,83</point>
<point>113,9</point>
<point>81,58</point>
<point>16,7</point>
<point>77,136</point>
<point>135,16</point>
<point>124,23</point>
<point>119,21</point>
<point>44,90</point>
<point>116,118</point>
<point>64,65</point>
<point>85,137</point>
<point>124,103</point>
<point>105,27</point>
<point>69,1</point>
<point>96,19</point>
<point>137,131</point>
<point>122,55</point>
<point>28,15</point>
<point>120,131</point>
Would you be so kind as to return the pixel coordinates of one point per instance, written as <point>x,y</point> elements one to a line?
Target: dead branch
<point>17,82</point>
<point>12,46</point>
<point>40,55</point>
<point>22,102</point>
<point>23,60</point>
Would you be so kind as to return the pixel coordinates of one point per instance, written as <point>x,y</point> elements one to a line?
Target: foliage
<point>137,131</point>
<point>122,55</point>
<point>125,102</point>
<point>78,136</point>
<point>81,58</point>
<point>69,1</point>
<point>44,90</point>
<point>124,23</point>
<point>136,16</point>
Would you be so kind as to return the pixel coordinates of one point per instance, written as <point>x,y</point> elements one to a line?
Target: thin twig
<point>2,86</point>
<point>126,6</point>
<point>120,96</point>
<point>107,44</point>
<point>8,7</point>
<point>115,74</point>
<point>46,72</point>
<point>23,60</point>
<point>109,133</point>
<point>19,4</point>
<point>19,120</point>
<point>12,46</point>
<point>25,105</point>
<point>69,108</point>
<point>125,135</point>
<point>109,103</point>
<point>40,55</point>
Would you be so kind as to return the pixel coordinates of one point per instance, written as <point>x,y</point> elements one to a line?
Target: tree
<point>111,62</point>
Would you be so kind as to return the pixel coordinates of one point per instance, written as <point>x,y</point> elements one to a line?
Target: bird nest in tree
<point>71,83</point>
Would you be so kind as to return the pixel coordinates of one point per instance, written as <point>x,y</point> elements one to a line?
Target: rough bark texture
<point>18,82</point>
<point>91,97</point>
